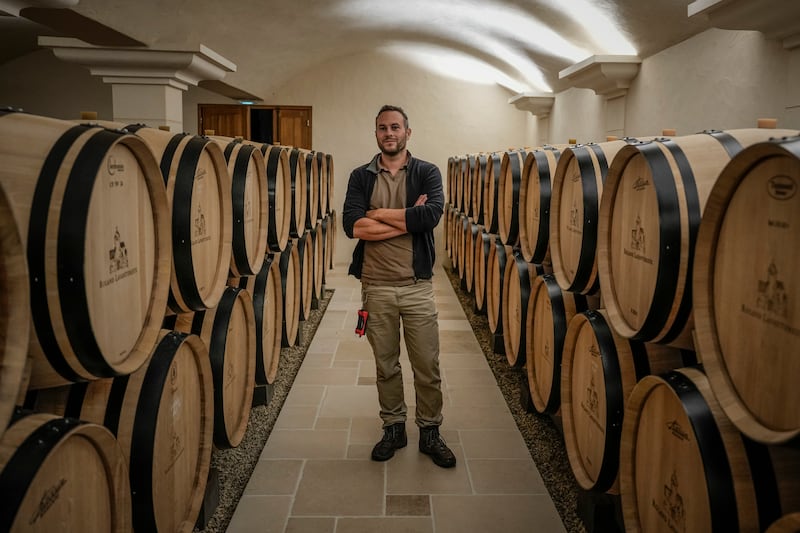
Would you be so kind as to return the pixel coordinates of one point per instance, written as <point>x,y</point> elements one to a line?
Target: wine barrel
<point>652,204</point>
<point>229,332</point>
<point>249,205</point>
<point>789,523</point>
<point>494,165</point>
<point>685,467</point>
<point>318,264</point>
<point>279,194</point>
<point>550,310</point>
<point>91,210</point>
<point>467,187</point>
<point>745,286</point>
<point>508,196</point>
<point>312,187</point>
<point>291,283</point>
<point>199,196</point>
<point>478,186</point>
<point>534,203</point>
<point>299,186</point>
<point>499,255</point>
<point>305,260</point>
<point>267,295</point>
<point>15,318</point>
<point>575,202</point>
<point>483,244</point>
<point>162,416</point>
<point>61,474</point>
<point>330,250</point>
<point>598,372</point>
<point>471,237</point>
<point>463,229</point>
<point>517,281</point>
<point>330,183</point>
<point>325,179</point>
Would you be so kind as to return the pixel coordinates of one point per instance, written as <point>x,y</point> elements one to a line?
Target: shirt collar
<point>375,167</point>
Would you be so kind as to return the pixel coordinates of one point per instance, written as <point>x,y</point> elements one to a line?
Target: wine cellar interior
<point>616,272</point>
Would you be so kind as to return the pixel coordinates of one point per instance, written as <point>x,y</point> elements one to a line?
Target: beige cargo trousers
<point>414,306</point>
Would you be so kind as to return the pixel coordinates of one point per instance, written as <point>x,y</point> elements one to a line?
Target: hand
<point>421,200</point>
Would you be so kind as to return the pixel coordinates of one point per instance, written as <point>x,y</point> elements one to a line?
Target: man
<point>392,205</point>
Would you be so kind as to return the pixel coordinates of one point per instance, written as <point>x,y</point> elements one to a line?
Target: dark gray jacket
<point>422,178</point>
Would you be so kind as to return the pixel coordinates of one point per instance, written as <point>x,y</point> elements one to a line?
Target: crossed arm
<point>383,223</point>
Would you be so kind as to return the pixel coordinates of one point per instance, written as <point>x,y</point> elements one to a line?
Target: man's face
<point>391,133</point>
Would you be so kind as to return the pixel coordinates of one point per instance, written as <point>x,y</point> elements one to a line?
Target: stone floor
<point>315,475</point>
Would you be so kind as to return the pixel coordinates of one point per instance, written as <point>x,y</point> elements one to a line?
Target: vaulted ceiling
<point>521,44</point>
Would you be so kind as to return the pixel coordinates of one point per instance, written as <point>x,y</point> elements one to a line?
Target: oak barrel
<point>534,203</point>
<point>508,187</point>
<point>291,284</point>
<point>267,295</point>
<point>499,255</point>
<point>649,216</point>
<point>297,171</point>
<point>789,523</point>
<point>15,319</point>
<point>279,194</point>
<point>91,209</point>
<point>229,332</point>
<point>550,310</point>
<point>599,369</point>
<point>249,205</point>
<point>199,196</point>
<point>162,416</point>
<point>308,159</point>
<point>517,281</point>
<point>746,288</point>
<point>305,259</point>
<point>478,187</point>
<point>575,198</point>
<point>494,165</point>
<point>61,474</point>
<point>483,244</point>
<point>685,467</point>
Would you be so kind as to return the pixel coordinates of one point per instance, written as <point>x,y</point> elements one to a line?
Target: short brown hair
<point>399,109</point>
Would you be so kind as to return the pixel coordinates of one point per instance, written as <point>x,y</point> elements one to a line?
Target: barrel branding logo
<point>113,166</point>
<point>640,184</point>
<point>199,230</point>
<point>671,508</point>
<point>677,431</point>
<point>119,266</point>
<point>49,498</point>
<point>591,404</point>
<point>782,187</point>
<point>772,302</point>
<point>574,217</point>
<point>248,210</point>
<point>638,243</point>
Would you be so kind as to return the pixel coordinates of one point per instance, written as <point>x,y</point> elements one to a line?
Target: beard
<point>400,145</point>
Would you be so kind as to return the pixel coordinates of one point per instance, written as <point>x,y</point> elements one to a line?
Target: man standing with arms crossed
<point>393,203</point>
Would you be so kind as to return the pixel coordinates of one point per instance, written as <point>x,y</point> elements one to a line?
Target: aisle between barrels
<point>315,473</point>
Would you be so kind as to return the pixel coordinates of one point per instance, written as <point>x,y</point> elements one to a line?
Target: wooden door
<point>294,127</point>
<point>224,120</point>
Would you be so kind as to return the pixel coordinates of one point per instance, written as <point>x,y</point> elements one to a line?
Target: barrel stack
<point>146,310</point>
<point>657,315</point>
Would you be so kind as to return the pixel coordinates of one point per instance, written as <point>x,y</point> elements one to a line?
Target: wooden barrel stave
<point>745,321</point>
<point>228,331</point>
<point>645,265</point>
<point>79,194</point>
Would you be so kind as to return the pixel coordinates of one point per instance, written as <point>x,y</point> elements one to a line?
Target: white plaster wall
<point>447,117</point>
<point>577,114</point>
<point>719,79</point>
<point>42,84</point>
